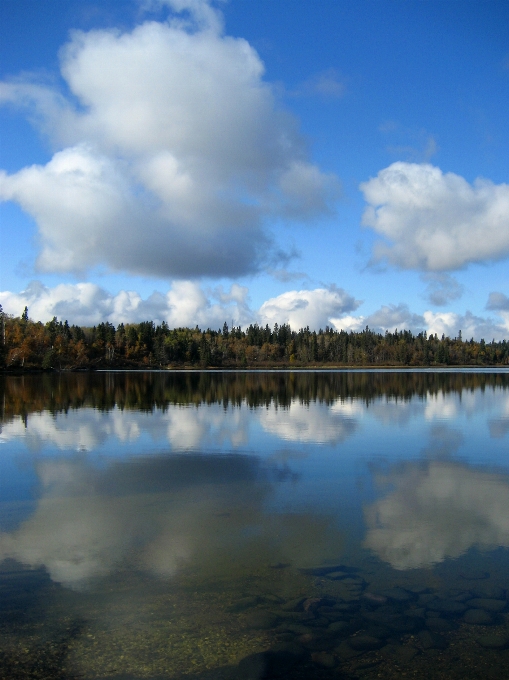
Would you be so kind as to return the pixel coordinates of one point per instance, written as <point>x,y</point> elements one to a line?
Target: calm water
<point>254,525</point>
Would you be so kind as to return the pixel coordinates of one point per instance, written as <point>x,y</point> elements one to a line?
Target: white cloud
<point>87,304</point>
<point>399,317</point>
<point>471,326</point>
<point>168,161</point>
<point>392,317</point>
<point>185,304</point>
<point>437,511</point>
<point>314,308</point>
<point>188,304</point>
<point>388,317</point>
<point>435,221</point>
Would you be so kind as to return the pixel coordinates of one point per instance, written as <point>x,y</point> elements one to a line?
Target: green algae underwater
<point>224,525</point>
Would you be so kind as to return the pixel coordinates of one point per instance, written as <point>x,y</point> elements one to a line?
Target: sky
<point>332,163</point>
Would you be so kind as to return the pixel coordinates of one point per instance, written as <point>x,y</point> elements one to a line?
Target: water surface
<point>254,525</point>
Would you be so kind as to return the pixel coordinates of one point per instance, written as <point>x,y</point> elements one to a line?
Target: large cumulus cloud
<point>436,221</point>
<point>169,160</point>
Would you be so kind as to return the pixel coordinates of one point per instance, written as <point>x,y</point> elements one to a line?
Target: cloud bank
<point>168,162</point>
<point>186,303</point>
<point>87,304</point>
<point>435,221</point>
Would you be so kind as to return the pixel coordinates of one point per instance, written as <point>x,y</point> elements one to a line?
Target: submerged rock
<point>270,664</point>
<point>293,605</point>
<point>477,617</point>
<point>397,593</point>
<point>488,590</point>
<point>339,627</point>
<point>450,607</point>
<point>474,574</point>
<point>337,575</point>
<point>438,624</point>
<point>364,643</point>
<point>325,570</point>
<point>427,599</point>
<point>374,598</point>
<point>430,640</point>
<point>487,604</point>
<point>324,659</point>
<point>405,624</point>
<point>260,620</point>
<point>243,603</point>
<point>345,651</point>
<point>381,632</point>
<point>401,653</point>
<point>494,641</point>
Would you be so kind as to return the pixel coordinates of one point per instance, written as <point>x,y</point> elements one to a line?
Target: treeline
<point>149,391</point>
<point>26,344</point>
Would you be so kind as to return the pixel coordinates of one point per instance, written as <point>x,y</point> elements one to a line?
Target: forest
<point>27,345</point>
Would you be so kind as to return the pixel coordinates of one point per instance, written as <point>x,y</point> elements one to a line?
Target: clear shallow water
<point>254,525</point>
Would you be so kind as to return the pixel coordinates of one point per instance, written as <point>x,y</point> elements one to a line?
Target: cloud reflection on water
<point>86,429</point>
<point>159,515</point>
<point>312,422</point>
<point>435,511</point>
<point>187,427</point>
<point>155,513</point>
<point>233,423</point>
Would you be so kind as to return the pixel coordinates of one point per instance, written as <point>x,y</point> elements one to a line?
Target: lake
<point>249,525</point>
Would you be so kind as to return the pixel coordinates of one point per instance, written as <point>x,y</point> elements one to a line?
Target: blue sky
<point>326,163</point>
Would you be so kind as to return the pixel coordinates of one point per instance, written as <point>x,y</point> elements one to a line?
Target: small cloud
<point>285,276</point>
<point>327,84</point>
<point>498,302</point>
<point>388,126</point>
<point>442,288</point>
<point>415,145</point>
<point>424,152</point>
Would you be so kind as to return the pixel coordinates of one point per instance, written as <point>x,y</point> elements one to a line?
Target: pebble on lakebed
<point>478,617</point>
<point>494,640</point>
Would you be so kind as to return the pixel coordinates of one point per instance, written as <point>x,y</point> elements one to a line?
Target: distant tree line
<point>28,345</point>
